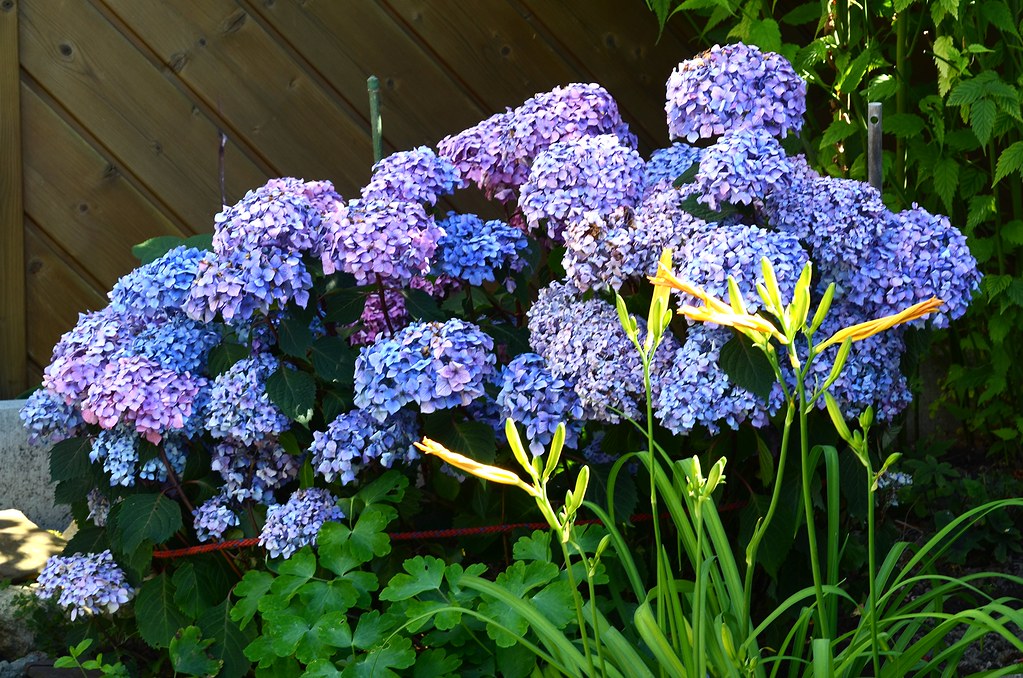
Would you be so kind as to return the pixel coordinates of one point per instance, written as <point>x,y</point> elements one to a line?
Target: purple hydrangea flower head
<point>373,325</point>
<point>497,153</point>
<point>214,517</point>
<point>371,238</point>
<point>533,397</point>
<point>743,166</point>
<point>472,249</point>
<point>158,288</point>
<point>695,391</point>
<point>355,439</point>
<point>734,86</point>
<point>85,584</point>
<point>282,217</point>
<point>435,365</point>
<point>253,471</point>
<point>419,175</point>
<point>82,353</point>
<point>573,177</point>
<point>177,343</point>
<point>138,391</point>
<point>48,419</point>
<point>242,283</point>
<point>239,407</point>
<point>297,523</point>
<point>668,164</point>
<point>600,252</point>
<point>708,258</point>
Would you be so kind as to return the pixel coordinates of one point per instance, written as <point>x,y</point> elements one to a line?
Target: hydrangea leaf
<point>198,585</point>
<point>87,540</point>
<point>473,439</point>
<point>229,639</point>
<point>141,517</point>
<point>423,574</point>
<point>188,653</point>
<point>294,391</point>
<point>345,306</point>
<point>156,613</point>
<point>422,306</point>
<point>294,335</point>
<point>222,356</point>
<point>747,366</point>
<point>334,360</point>
<point>70,459</point>
<point>154,248</point>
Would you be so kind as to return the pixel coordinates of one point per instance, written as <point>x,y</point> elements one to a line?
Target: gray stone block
<point>25,473</point>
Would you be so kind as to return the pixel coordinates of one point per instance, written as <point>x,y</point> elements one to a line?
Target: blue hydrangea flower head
<point>419,175</point>
<point>473,250</point>
<point>160,287</point>
<point>668,164</point>
<point>355,439</point>
<point>239,407</point>
<point>253,471</point>
<point>214,517</point>
<point>85,584</point>
<point>48,419</point>
<point>570,178</point>
<point>117,448</point>
<point>297,523</point>
<point>533,397</point>
<point>741,167</point>
<point>177,343</point>
<point>734,86</point>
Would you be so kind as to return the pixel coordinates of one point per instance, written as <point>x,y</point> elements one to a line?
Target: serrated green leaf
<point>334,360</point>
<point>747,366</point>
<point>436,663</point>
<point>998,14</point>
<point>849,80</point>
<point>993,285</point>
<point>1012,231</point>
<point>229,639</point>
<point>946,56</point>
<point>294,336</point>
<point>373,628</point>
<point>422,306</point>
<point>1010,160</point>
<point>223,356</point>
<point>473,439</point>
<point>838,130</point>
<point>141,517</point>
<point>150,250</point>
<point>982,248</point>
<point>294,392</point>
<point>765,34</point>
<point>982,119</point>
<point>156,614</point>
<point>982,207</point>
<point>396,653</point>
<point>946,180</point>
<point>344,306</point>
<point>423,574</point>
<point>70,459</point>
<point>1015,292</point>
<point>804,14</point>
<point>320,597</point>
<point>998,327</point>
<point>199,584</point>
<point>881,88</point>
<point>87,540</point>
<point>188,654</point>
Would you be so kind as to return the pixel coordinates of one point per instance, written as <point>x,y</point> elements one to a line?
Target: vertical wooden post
<point>12,217</point>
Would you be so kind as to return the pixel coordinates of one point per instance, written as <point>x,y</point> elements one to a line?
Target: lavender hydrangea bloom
<point>708,258</point>
<point>242,283</point>
<point>418,175</point>
<point>734,86</point>
<point>743,166</point>
<point>82,353</point>
<point>497,153</point>
<point>532,396</point>
<point>668,164</point>
<point>393,240</point>
<point>159,287</point>
<point>435,365</point>
<point>138,391</point>
<point>373,325</point>
<point>117,448</point>
<point>175,449</point>
<point>694,390</point>
<point>282,217</point>
<point>599,251</point>
<point>213,518</point>
<point>239,407</point>
<point>354,439</point>
<point>177,343</point>
<point>253,471</point>
<point>297,523</point>
<point>472,249</point>
<point>87,583</point>
<point>48,419</point>
<point>573,177</point>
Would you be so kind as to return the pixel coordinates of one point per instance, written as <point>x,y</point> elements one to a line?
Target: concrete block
<point>25,473</point>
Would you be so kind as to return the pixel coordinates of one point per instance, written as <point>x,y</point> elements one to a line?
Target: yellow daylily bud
<point>837,418</point>
<point>822,309</point>
<point>800,306</point>
<point>872,327</point>
<point>463,463</point>
<point>771,283</point>
<point>554,456</point>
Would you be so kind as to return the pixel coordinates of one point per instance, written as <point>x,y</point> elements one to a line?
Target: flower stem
<point>811,533</point>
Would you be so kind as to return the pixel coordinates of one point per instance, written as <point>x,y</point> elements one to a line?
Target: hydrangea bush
<point>240,385</point>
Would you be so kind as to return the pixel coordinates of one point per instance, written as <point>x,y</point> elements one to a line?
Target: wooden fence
<point>111,112</point>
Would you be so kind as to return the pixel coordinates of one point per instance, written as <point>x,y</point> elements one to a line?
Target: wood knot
<point>178,61</point>
<point>34,266</point>
<point>7,5</point>
<point>65,49</point>
<point>235,22</point>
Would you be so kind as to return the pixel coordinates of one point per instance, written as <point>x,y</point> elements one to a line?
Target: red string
<point>407,536</point>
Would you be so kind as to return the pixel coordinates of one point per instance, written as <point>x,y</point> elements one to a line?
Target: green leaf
<point>998,14</point>
<point>142,517</point>
<point>473,439</point>
<point>839,129</point>
<point>982,207</point>
<point>368,538</point>
<point>199,584</point>
<point>1015,292</point>
<point>229,639</point>
<point>946,58</point>
<point>849,80</point>
<point>88,540</point>
<point>422,306</point>
<point>188,654</point>
<point>200,241</point>
<point>766,35</point>
<point>223,356</point>
<point>294,336</point>
<point>1012,231</point>
<point>396,653</point>
<point>1010,160</point>
<point>293,573</point>
<point>345,306</point>
<point>70,459</point>
<point>999,325</point>
<point>946,180</point>
<point>294,392</point>
<point>747,366</point>
<point>993,285</point>
<point>536,546</point>
<point>424,574</point>
<point>154,248</point>
<point>436,663</point>
<point>881,88</point>
<point>334,360</point>
<point>804,14</point>
<point>982,118</point>
<point>156,614</point>
<point>250,590</point>
<point>515,338</point>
